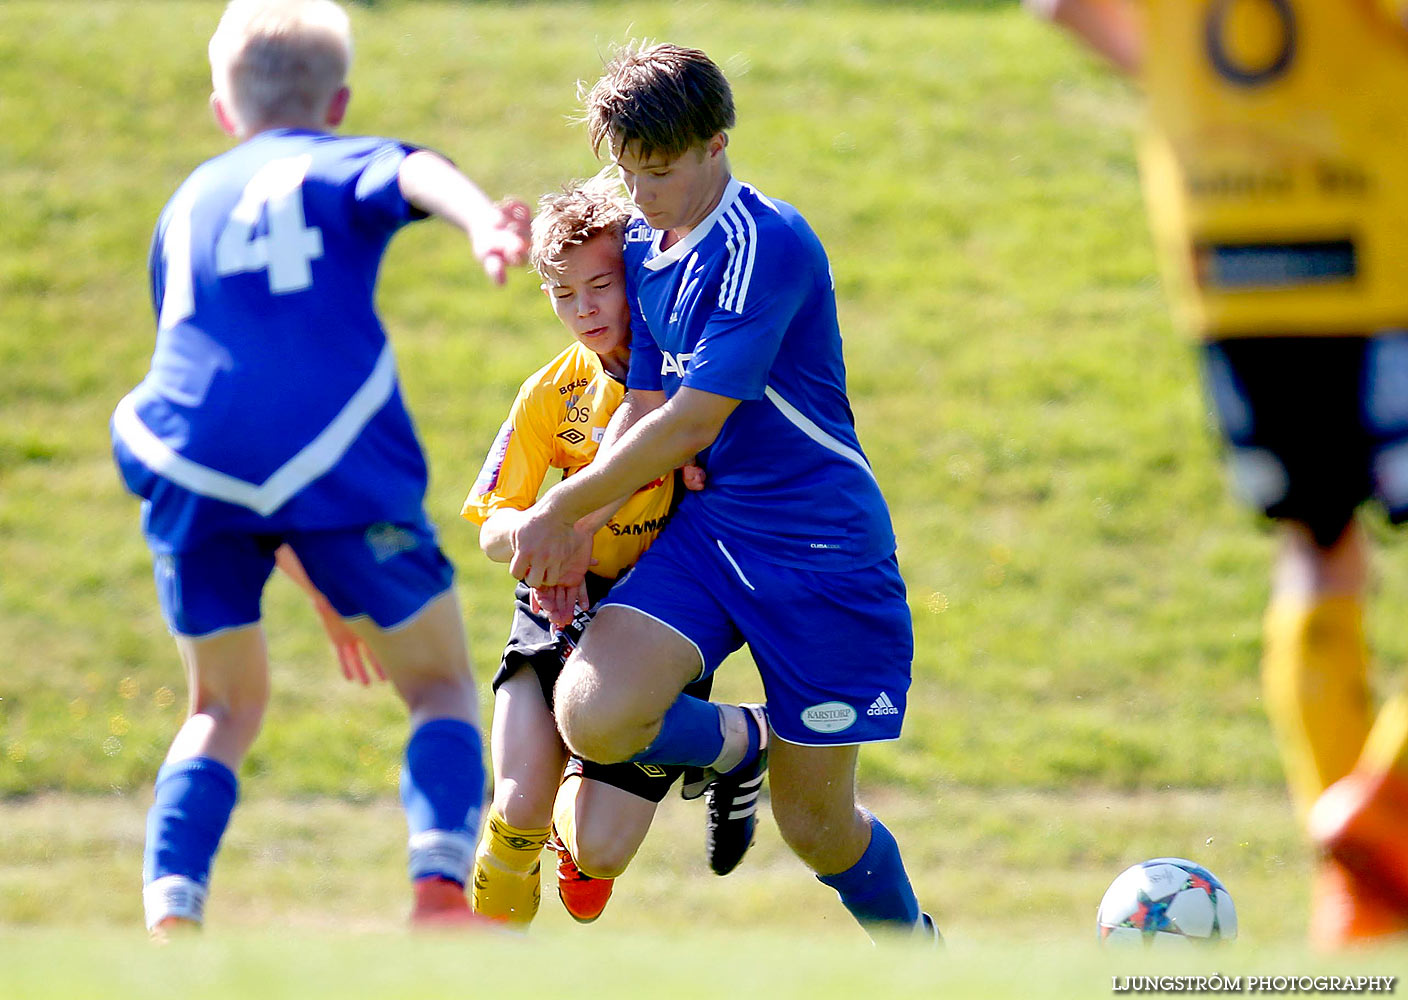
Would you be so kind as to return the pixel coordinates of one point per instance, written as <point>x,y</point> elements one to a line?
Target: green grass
<point>766,964</point>
<point>1086,597</point>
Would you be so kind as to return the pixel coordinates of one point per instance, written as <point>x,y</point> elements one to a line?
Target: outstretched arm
<point>498,233</point>
<point>546,541</point>
<point>1110,27</point>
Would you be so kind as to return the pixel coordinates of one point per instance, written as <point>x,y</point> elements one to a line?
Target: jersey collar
<point>664,258</point>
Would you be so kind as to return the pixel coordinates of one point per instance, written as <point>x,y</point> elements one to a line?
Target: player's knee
<point>430,696</point>
<point>595,723</point>
<point>602,854</point>
<point>239,717</point>
<point>819,832</point>
<point>597,739</point>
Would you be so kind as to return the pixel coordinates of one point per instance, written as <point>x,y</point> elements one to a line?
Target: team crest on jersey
<point>674,364</point>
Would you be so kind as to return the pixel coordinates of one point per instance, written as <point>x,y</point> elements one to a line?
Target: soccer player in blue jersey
<point>736,357</point>
<point>272,417</point>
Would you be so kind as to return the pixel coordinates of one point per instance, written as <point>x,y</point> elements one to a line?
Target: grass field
<point>1086,597</point>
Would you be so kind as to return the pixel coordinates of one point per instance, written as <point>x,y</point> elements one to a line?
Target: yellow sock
<point>1387,746</point>
<point>506,871</point>
<point>564,820</point>
<point>1313,672</point>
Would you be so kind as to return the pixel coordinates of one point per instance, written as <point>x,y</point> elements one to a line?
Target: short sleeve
<point>518,461</point>
<point>377,201</point>
<point>759,296</point>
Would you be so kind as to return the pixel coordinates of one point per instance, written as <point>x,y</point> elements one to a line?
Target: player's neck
<point>673,236</point>
<point>292,124</point>
<point>616,363</point>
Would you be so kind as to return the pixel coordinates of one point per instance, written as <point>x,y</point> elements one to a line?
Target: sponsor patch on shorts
<point>829,717</point>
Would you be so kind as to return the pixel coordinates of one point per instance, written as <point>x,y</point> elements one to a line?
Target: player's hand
<point>353,655</point>
<point>501,238</point>
<point>559,604</point>
<point>693,476</point>
<point>547,551</point>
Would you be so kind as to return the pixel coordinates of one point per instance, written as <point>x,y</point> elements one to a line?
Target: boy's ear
<point>223,118</point>
<point>337,107</point>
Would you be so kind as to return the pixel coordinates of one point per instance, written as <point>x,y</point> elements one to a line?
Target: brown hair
<point>572,217</point>
<point>664,97</point>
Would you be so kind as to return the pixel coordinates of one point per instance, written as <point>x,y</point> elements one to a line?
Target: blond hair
<point>279,59</point>
<point>664,97</point>
<point>571,218</point>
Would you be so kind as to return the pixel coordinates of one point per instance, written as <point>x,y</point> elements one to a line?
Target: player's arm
<point>1112,28</point>
<point>513,472</point>
<point>498,233</point>
<point>636,404</point>
<point>559,603</point>
<point>353,655</point>
<point>547,542</point>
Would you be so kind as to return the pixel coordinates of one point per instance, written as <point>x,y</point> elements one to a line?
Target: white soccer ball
<point>1166,899</point>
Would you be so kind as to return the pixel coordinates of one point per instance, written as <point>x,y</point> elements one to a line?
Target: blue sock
<point>876,889</point>
<point>690,734</point>
<point>442,790</point>
<point>442,782</point>
<point>194,799</point>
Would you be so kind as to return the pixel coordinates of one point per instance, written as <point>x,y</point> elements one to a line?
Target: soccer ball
<point>1166,899</point>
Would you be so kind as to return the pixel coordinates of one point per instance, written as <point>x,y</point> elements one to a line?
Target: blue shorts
<point>386,572</point>
<point>833,649</point>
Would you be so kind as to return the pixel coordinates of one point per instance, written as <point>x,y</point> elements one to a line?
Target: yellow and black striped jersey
<point>557,422</point>
<point>1276,167</point>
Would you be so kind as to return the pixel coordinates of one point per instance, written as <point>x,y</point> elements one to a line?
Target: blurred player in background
<point>736,356</point>
<point>557,421</point>
<point>1276,172</point>
<point>272,417</point>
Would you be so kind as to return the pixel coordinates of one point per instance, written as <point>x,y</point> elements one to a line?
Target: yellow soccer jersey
<point>1276,168</point>
<point>557,422</point>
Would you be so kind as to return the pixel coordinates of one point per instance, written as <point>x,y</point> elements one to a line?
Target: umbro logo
<point>573,436</point>
<point>882,706</point>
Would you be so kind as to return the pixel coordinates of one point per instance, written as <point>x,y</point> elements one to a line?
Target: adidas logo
<point>882,706</point>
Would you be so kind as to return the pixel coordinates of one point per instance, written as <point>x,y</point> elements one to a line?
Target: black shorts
<point>1315,426</point>
<point>535,644</point>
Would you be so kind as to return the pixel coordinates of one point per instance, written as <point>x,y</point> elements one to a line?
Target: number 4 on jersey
<point>284,249</point>
<point>288,243</point>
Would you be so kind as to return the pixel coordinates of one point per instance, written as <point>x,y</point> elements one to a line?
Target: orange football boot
<point>1362,821</point>
<point>583,897</point>
<point>442,903</point>
<point>1347,912</point>
<point>168,929</point>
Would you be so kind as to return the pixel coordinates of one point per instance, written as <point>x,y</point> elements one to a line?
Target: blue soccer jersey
<point>745,307</point>
<point>272,401</point>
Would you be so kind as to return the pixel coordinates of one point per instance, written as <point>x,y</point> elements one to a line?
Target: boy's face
<point>673,193</point>
<point>589,296</point>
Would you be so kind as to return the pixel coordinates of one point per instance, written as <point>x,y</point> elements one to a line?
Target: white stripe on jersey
<point>805,424</point>
<point>676,252</point>
<point>311,461</point>
<point>742,251</point>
